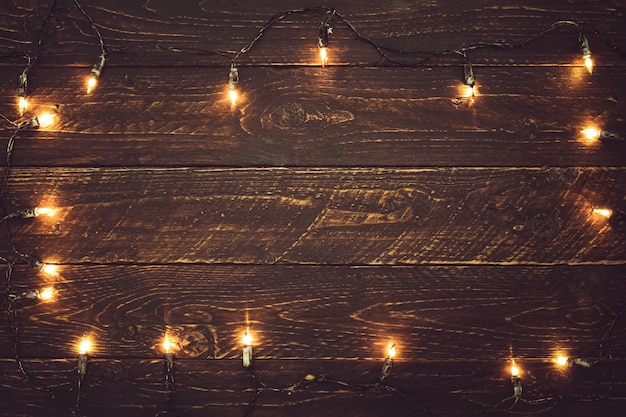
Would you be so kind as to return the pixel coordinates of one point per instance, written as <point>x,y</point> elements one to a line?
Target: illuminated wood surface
<point>339,208</point>
<point>323,216</point>
<point>328,117</point>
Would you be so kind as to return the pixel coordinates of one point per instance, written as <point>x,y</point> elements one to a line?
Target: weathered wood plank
<point>224,388</point>
<point>328,116</point>
<point>328,216</point>
<point>226,26</point>
<point>309,312</point>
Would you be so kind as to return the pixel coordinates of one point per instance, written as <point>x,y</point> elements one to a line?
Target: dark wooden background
<point>339,208</point>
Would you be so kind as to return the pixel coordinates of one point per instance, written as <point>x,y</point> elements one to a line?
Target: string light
<point>96,70</point>
<point>168,350</point>
<point>85,347</point>
<point>322,42</point>
<point>309,379</point>
<point>233,80</point>
<point>43,120</point>
<point>592,134</point>
<point>45,294</point>
<point>22,102</point>
<point>516,381</point>
<point>468,77</point>
<point>31,213</point>
<point>586,51</point>
<point>388,364</point>
<point>169,347</point>
<point>563,361</point>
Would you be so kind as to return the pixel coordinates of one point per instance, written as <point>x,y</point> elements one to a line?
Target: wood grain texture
<point>227,26</point>
<point>309,312</point>
<point>335,210</point>
<point>135,388</point>
<point>325,116</point>
<point>327,216</point>
<point>223,388</point>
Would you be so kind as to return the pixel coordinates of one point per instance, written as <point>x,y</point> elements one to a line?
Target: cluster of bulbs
<point>589,133</point>
<point>170,346</point>
<point>95,72</point>
<point>46,293</point>
<point>561,361</point>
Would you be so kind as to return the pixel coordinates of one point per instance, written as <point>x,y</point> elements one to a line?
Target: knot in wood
<point>288,116</point>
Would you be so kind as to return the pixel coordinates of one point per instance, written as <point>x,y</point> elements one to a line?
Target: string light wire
<point>260,387</point>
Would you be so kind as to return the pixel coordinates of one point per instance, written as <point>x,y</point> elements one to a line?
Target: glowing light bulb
<point>85,346</point>
<point>324,55</point>
<point>91,83</point>
<point>468,91</point>
<point>46,294</point>
<point>22,105</point>
<point>168,346</point>
<point>95,72</point>
<point>584,46</point>
<point>322,42</point>
<point>591,134</point>
<point>515,370</point>
<point>45,120</point>
<point>388,363</point>
<point>602,212</point>
<point>47,211</point>
<point>233,96</point>
<point>391,351</point>
<point>48,269</point>
<point>561,361</point>
<point>233,81</point>
<point>588,64</point>
<point>247,339</point>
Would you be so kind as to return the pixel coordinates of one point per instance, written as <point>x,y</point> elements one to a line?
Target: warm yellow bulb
<point>588,63</point>
<point>233,95</point>
<point>391,351</point>
<point>85,345</point>
<point>168,346</point>
<point>45,119</point>
<point>22,105</point>
<point>46,294</point>
<point>591,134</point>
<point>469,91</point>
<point>561,361</point>
<point>603,212</point>
<point>47,211</point>
<point>247,339</point>
<point>91,84</point>
<point>515,370</point>
<point>52,270</point>
<point>323,55</point>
